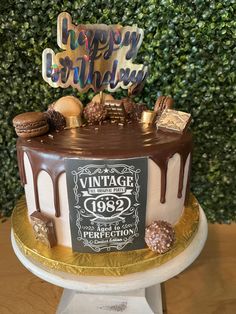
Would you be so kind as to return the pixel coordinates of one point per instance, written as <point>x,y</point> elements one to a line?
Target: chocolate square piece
<point>43,229</point>
<point>173,120</point>
<point>115,110</point>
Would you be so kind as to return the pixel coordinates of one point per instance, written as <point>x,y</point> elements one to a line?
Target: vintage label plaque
<point>107,200</point>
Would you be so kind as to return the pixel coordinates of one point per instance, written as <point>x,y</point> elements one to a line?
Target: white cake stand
<point>138,293</point>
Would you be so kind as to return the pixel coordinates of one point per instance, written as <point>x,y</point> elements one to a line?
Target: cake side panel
<point>170,211</point>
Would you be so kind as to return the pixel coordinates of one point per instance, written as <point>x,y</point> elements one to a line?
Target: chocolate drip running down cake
<point>42,168</point>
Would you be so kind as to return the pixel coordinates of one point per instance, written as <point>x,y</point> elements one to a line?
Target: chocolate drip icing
<point>183,159</point>
<point>107,141</point>
<point>53,164</point>
<point>20,159</point>
<point>188,181</point>
<point>162,162</point>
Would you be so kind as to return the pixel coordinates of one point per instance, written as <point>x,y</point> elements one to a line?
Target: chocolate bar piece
<point>173,120</point>
<point>43,229</point>
<point>115,110</point>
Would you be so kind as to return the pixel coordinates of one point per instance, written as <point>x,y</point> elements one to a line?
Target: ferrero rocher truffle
<point>68,106</point>
<point>56,120</point>
<point>160,236</point>
<point>95,112</point>
<point>104,96</point>
<point>133,110</point>
<point>138,110</point>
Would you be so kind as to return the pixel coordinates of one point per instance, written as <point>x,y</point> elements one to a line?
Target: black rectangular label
<point>107,201</point>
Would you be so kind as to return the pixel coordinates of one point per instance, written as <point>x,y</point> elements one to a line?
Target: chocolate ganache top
<point>105,141</point>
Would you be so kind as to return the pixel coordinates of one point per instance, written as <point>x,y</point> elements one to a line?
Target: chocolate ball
<point>133,110</point>
<point>129,105</point>
<point>95,112</point>
<point>137,112</point>
<point>56,120</point>
<point>159,236</point>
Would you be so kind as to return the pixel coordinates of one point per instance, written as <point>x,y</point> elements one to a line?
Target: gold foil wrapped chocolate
<point>173,120</point>
<point>148,117</point>
<point>73,122</point>
<point>43,229</point>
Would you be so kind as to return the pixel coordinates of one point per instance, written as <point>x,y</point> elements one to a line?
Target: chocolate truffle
<point>95,112</point>
<point>160,236</point>
<point>56,120</point>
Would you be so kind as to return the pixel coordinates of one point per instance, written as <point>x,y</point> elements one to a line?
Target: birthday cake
<point>110,176</point>
<point>103,184</point>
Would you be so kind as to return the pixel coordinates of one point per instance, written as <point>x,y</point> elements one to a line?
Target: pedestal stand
<point>138,293</point>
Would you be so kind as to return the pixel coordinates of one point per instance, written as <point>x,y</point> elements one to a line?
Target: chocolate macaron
<point>31,124</point>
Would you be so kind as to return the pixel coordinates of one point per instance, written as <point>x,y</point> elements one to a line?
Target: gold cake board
<point>62,258</point>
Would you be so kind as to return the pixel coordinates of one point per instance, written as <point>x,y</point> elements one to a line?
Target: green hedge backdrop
<point>190,47</point>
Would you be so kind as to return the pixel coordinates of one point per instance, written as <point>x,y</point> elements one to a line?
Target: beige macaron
<point>68,106</point>
<point>102,97</point>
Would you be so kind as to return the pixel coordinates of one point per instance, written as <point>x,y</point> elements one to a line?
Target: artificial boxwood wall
<point>190,48</point>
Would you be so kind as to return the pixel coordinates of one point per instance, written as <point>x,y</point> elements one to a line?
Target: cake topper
<point>96,56</point>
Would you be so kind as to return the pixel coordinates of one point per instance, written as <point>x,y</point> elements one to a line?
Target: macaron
<point>104,96</point>
<point>68,106</point>
<point>163,102</point>
<point>30,124</point>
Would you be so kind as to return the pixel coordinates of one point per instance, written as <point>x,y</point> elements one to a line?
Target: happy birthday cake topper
<point>95,56</point>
